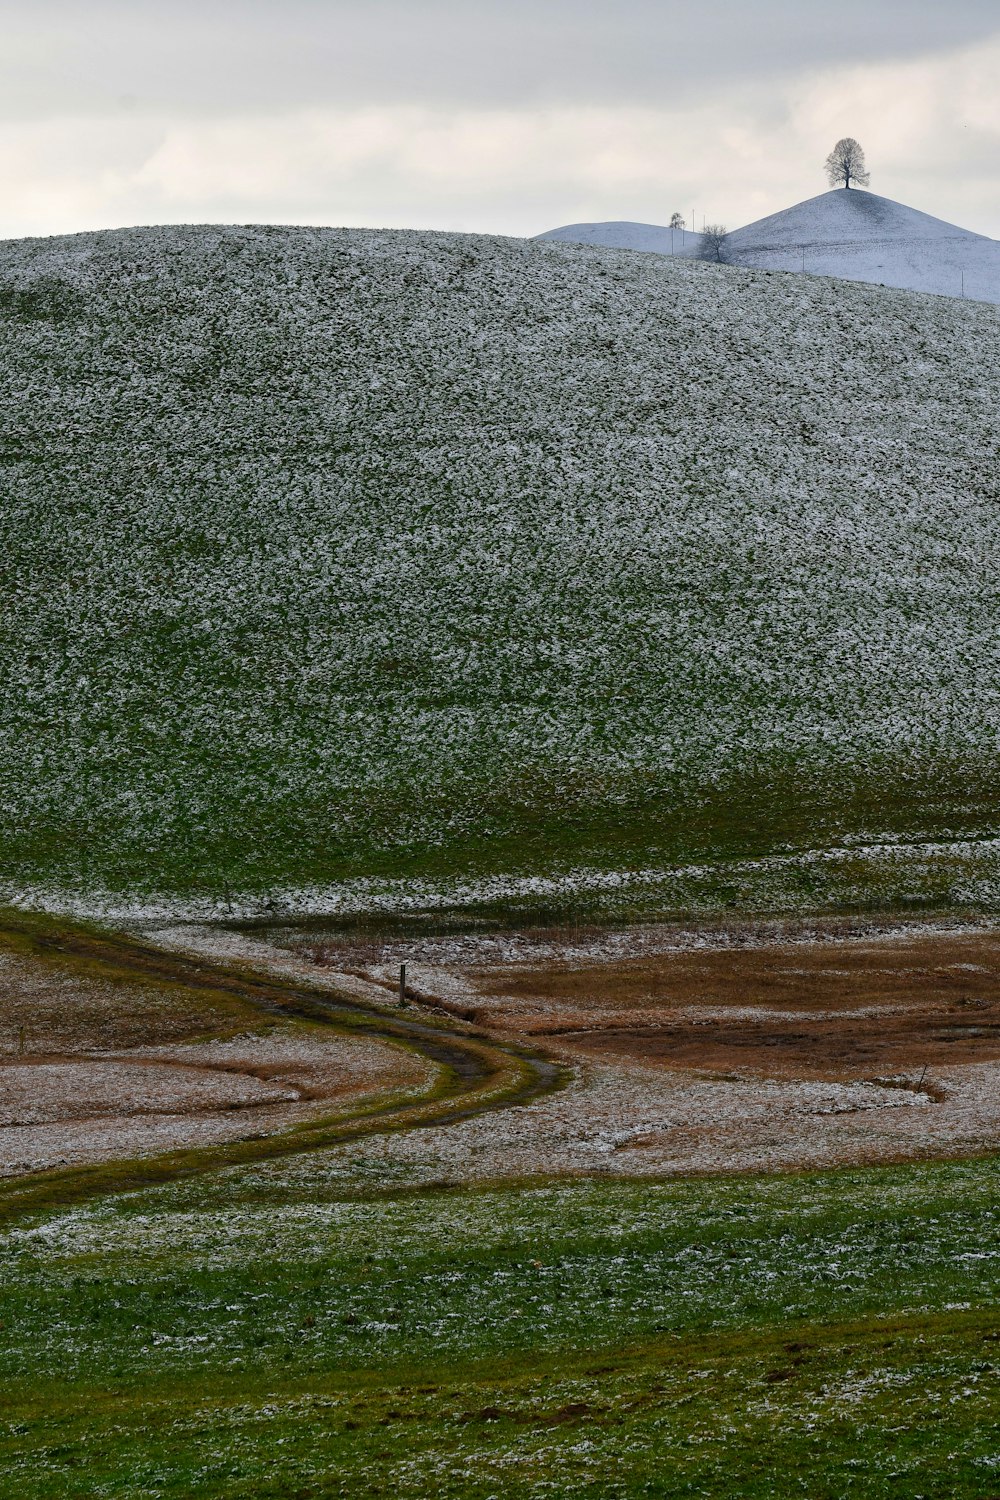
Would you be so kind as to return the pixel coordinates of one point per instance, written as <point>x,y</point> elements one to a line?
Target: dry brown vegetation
<point>725,1048</point>
<point>827,1009</point>
<point>49,1007</point>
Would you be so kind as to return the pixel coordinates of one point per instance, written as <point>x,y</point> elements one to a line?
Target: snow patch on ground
<point>109,1106</point>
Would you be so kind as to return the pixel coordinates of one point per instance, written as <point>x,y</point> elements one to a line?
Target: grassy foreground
<point>302,1330</point>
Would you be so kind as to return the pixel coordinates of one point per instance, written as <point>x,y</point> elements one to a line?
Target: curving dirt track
<point>770,1046</point>
<point>475,1073</point>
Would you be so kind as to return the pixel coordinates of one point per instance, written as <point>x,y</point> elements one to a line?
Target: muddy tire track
<point>476,1072</point>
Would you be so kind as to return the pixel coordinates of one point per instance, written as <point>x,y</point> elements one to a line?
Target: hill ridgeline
<point>847,233</point>
<point>339,554</point>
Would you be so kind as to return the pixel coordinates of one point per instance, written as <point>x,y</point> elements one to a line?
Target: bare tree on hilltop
<point>713,242</point>
<point>846,164</point>
<point>676,221</point>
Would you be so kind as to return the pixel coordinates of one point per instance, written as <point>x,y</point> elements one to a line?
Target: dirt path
<point>475,1072</point>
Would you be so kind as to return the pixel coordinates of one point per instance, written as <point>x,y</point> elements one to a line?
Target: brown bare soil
<point>691,1050</point>
<point>814,1010</point>
<point>97,1065</point>
<point>718,1048</point>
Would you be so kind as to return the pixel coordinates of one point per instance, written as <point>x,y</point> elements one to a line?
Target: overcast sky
<point>508,116</point>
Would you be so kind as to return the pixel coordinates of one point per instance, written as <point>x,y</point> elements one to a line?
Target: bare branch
<point>713,243</point>
<point>846,164</point>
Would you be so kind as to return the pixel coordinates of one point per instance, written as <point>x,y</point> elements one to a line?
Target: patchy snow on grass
<point>334,551</point>
<point>963,873</point>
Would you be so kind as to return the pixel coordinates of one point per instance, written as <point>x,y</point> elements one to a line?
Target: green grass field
<point>309,1331</point>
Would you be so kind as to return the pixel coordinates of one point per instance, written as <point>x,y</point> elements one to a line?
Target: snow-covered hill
<point>861,237</point>
<point>854,235</point>
<point>325,553</point>
<point>624,235</point>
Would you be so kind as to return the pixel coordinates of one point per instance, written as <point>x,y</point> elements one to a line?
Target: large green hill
<point>332,553</point>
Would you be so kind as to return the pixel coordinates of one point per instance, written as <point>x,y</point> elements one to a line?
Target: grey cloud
<point>61,58</point>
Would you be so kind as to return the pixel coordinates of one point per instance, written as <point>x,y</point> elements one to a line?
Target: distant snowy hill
<point>847,233</point>
<point>622,234</point>
<point>862,237</point>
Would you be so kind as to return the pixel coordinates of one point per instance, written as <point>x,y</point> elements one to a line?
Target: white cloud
<point>931,127</point>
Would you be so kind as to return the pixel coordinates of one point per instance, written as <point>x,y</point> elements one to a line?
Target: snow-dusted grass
<point>241,1336</point>
<point>431,1275</point>
<point>962,873</point>
<point>337,555</point>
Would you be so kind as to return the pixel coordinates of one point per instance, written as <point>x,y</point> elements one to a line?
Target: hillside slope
<point>853,235</point>
<point>337,552</point>
<point>861,237</point>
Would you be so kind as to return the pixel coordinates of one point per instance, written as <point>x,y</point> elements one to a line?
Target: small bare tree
<point>676,221</point>
<point>846,164</point>
<point>713,242</point>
